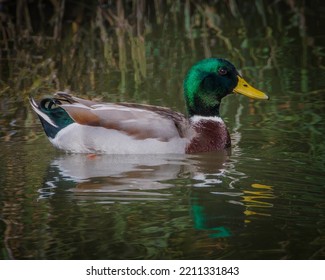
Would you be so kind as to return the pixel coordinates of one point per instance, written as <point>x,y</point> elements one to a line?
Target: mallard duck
<point>84,126</point>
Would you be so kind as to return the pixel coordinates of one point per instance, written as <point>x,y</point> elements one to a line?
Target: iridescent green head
<point>210,80</point>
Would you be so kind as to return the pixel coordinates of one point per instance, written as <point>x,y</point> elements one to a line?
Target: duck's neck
<point>200,108</point>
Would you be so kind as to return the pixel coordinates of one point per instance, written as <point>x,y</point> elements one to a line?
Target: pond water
<point>263,200</point>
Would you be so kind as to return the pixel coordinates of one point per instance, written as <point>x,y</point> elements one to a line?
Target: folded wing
<point>138,121</point>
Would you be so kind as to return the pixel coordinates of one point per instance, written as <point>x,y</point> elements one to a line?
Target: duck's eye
<point>222,71</point>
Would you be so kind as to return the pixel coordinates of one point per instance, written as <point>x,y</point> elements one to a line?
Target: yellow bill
<point>246,89</point>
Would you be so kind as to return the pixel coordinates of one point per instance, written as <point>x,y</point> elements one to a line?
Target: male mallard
<point>83,126</point>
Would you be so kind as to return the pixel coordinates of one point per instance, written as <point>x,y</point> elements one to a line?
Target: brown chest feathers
<point>210,135</point>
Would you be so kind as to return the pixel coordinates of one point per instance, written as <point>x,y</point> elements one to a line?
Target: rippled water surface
<point>264,199</point>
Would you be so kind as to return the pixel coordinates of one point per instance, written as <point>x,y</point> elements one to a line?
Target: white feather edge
<point>196,119</point>
<point>108,107</point>
<point>39,112</point>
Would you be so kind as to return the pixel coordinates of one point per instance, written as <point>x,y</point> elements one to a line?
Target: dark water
<point>263,201</point>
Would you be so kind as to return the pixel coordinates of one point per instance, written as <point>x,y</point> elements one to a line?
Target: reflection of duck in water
<point>145,172</point>
<point>84,126</point>
<point>217,209</point>
<point>119,172</point>
<point>230,211</point>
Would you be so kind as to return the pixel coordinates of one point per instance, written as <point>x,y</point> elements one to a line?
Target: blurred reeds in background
<point>88,46</point>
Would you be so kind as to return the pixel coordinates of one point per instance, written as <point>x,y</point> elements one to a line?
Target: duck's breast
<point>211,134</point>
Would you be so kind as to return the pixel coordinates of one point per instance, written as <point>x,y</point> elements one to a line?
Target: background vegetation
<point>101,46</point>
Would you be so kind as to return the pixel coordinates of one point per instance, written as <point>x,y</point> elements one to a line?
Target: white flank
<point>78,138</point>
